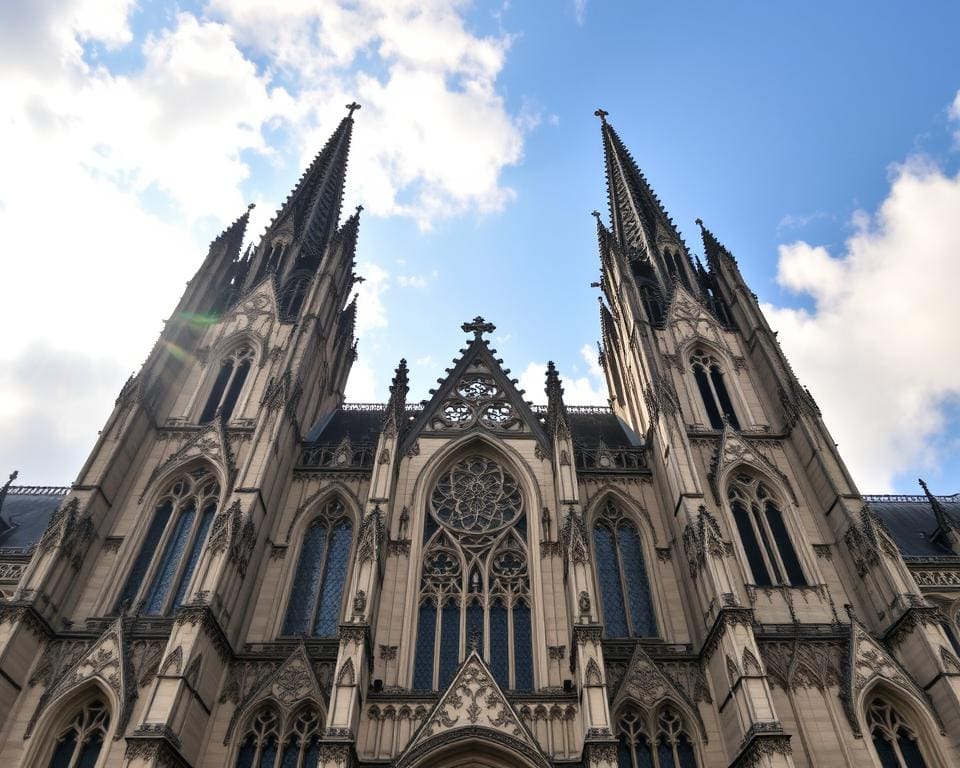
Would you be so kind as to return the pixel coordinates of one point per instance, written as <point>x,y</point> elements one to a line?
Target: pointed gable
<point>691,319</point>
<point>473,702</point>
<point>477,394</point>
<point>211,444</point>
<point>736,450</point>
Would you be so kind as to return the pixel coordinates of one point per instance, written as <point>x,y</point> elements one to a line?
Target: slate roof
<point>591,425</point>
<point>26,511</point>
<point>911,520</point>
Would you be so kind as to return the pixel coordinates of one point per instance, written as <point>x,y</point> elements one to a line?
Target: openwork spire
<point>312,209</point>
<point>639,220</point>
<point>232,237</point>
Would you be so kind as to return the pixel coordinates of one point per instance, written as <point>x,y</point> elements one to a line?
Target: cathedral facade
<point>251,573</point>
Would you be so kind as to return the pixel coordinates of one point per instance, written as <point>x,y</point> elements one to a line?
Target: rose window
<point>498,413</point>
<point>457,413</point>
<point>476,495</point>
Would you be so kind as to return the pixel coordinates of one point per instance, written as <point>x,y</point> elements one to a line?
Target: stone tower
<point>251,573</point>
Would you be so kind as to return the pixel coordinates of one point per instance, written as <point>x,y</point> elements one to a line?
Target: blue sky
<point>818,141</point>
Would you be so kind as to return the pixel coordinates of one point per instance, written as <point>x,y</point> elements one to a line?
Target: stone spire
<point>308,219</point>
<point>396,406</point>
<point>639,220</point>
<point>3,495</point>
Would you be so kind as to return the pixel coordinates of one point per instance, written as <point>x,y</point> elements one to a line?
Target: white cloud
<point>580,11</point>
<point>585,390</point>
<point>436,133</point>
<point>362,382</point>
<point>954,113</point>
<point>877,349</point>
<point>371,311</point>
<point>411,281</point>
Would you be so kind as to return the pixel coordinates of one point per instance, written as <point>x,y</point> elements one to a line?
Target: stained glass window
<point>476,506</point>
<point>293,296</point>
<point>893,739</point>
<point>198,541</point>
<point>173,543</point>
<point>764,534</point>
<point>172,554</point>
<point>638,588</point>
<point>720,387</point>
<point>499,643</point>
<point>449,642</point>
<point>522,647</point>
<point>79,743</point>
<point>426,634</point>
<point>622,575</point>
<point>334,577</point>
<point>228,385</point>
<point>611,589</point>
<point>316,597</point>
<point>150,545</point>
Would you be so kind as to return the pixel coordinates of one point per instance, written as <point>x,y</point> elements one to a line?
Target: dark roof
<point>911,521</point>
<point>360,423</point>
<point>591,425</point>
<point>27,510</point>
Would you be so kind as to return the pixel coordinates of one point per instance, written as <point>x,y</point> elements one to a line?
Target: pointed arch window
<point>652,302</point>
<point>228,385</point>
<point>622,574</point>
<point>660,742</point>
<point>80,741</point>
<point>268,743</point>
<point>763,532</point>
<point>474,585</point>
<point>713,389</point>
<point>317,595</point>
<point>893,738</point>
<point>165,564</point>
<point>292,299</point>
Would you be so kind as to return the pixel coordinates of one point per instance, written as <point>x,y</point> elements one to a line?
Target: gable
<point>472,703</point>
<point>477,394</point>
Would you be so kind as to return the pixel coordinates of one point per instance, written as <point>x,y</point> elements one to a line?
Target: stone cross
<point>478,327</point>
<point>602,114</point>
<point>352,107</point>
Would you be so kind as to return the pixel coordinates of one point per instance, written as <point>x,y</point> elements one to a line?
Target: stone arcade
<point>250,572</point>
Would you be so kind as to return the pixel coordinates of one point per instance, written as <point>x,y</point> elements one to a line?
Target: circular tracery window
<point>477,388</point>
<point>476,495</point>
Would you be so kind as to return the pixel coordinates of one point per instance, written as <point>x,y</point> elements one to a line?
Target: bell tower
<point>775,534</point>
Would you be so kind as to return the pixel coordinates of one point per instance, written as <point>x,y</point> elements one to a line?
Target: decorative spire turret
<point>396,406</point>
<point>557,423</point>
<point>946,531</point>
<point>713,248</point>
<point>3,495</point>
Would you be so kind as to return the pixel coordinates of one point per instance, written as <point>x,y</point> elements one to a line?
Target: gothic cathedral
<point>250,572</point>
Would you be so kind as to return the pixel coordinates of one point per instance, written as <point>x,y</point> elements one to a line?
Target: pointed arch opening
<point>78,735</point>
<point>474,586</point>
<point>293,294</point>
<point>895,734</point>
<point>160,577</point>
<point>228,385</point>
<point>315,602</point>
<point>763,531</point>
<point>621,565</point>
<point>654,738</point>
<point>711,383</point>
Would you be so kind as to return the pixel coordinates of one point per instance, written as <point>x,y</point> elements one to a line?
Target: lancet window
<point>659,742</point>
<point>713,389</point>
<point>228,385</point>
<point>80,741</point>
<point>474,583</point>
<point>269,743</point>
<point>293,295</point>
<point>317,594</point>
<point>171,548</point>
<point>622,574</point>
<point>764,533</point>
<point>893,738</point>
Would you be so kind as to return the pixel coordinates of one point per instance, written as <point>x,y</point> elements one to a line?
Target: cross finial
<point>351,108</point>
<point>602,114</point>
<point>251,206</point>
<point>595,214</point>
<point>479,327</point>
<point>358,209</point>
